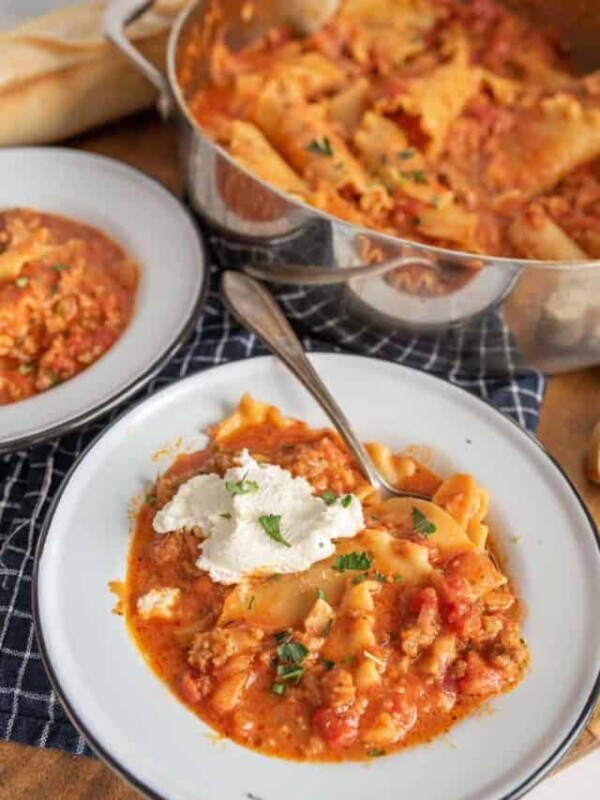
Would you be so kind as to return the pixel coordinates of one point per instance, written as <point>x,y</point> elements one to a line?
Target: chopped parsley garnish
<point>328,497</point>
<point>360,578</point>
<point>52,377</point>
<point>60,267</point>
<point>329,665</point>
<point>25,369</point>
<point>417,175</point>
<point>374,752</point>
<point>291,674</point>
<point>321,147</point>
<point>288,664</point>
<point>251,603</point>
<point>379,576</point>
<point>22,282</point>
<point>225,515</point>
<point>352,561</point>
<point>421,524</point>
<point>349,660</point>
<point>271,525</point>
<point>150,499</point>
<point>404,155</point>
<point>346,500</point>
<point>241,487</point>
<point>281,637</point>
<point>327,629</point>
<point>398,578</point>
<point>321,594</point>
<point>292,653</point>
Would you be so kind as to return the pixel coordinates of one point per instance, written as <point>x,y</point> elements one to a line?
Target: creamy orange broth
<point>436,649</point>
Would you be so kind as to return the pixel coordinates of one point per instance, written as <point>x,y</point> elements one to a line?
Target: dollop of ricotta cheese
<point>239,513</point>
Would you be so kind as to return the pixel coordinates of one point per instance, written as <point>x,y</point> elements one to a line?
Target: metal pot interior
<point>578,22</point>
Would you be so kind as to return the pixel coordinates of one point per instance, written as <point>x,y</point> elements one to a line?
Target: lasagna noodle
<point>301,132</point>
<point>543,147</point>
<point>253,151</point>
<point>535,235</point>
<point>385,149</point>
<point>387,32</point>
<point>438,98</point>
<point>346,108</point>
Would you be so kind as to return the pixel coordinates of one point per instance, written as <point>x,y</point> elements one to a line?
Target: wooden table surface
<point>570,410</point>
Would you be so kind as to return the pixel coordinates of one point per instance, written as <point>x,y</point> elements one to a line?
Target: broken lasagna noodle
<point>455,124</point>
<point>408,626</point>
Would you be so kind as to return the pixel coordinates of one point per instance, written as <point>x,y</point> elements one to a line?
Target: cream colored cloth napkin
<point>59,77</point>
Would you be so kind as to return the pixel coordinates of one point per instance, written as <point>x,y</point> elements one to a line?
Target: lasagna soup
<point>294,611</point>
<point>67,293</point>
<point>457,124</point>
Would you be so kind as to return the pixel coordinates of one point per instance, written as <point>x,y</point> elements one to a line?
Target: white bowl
<point>154,228</point>
<point>131,719</point>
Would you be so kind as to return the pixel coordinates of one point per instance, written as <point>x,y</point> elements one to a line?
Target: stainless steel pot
<point>284,240</point>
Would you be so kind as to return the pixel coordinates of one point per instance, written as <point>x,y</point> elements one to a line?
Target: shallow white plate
<point>154,228</point>
<point>141,730</point>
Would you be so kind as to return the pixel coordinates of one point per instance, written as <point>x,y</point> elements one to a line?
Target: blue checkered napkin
<point>482,359</point>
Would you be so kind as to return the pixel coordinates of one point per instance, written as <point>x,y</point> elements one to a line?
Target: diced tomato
<point>424,600</point>
<point>338,730</point>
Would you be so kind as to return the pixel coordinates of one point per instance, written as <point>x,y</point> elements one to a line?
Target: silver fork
<point>255,308</point>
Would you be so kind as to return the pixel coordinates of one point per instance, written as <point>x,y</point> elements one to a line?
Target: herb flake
<point>321,147</point>
<point>292,653</point>
<point>354,560</point>
<point>346,500</point>
<point>328,497</point>
<point>241,487</point>
<point>421,524</point>
<point>271,525</point>
<point>281,637</point>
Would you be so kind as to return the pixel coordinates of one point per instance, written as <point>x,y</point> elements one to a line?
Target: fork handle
<point>256,309</point>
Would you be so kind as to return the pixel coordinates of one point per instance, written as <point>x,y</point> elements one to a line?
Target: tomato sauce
<point>375,662</point>
<point>67,293</point>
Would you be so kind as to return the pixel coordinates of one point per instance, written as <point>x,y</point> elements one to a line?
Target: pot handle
<point>325,276</point>
<point>118,14</point>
